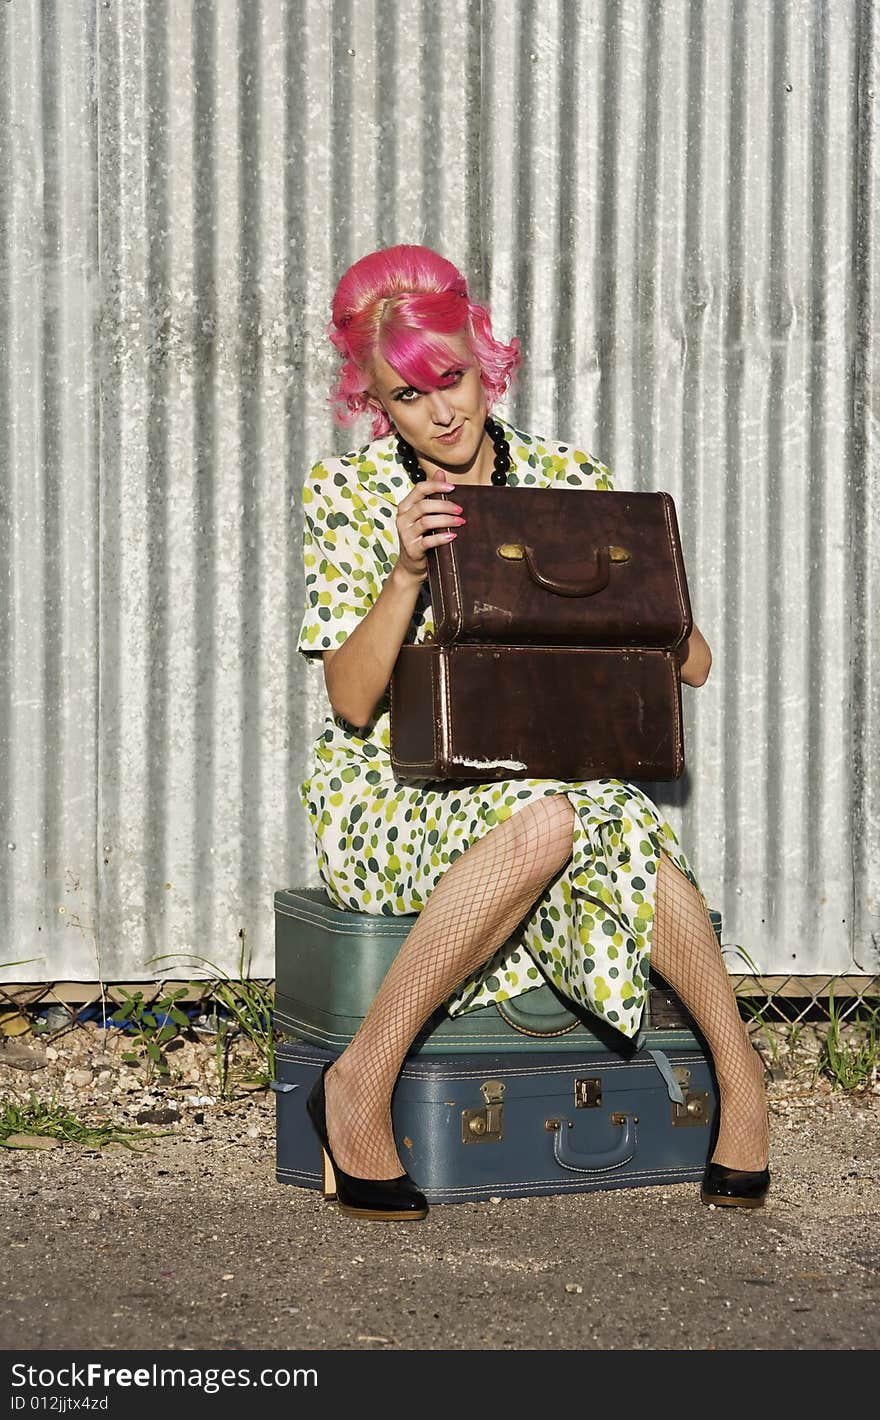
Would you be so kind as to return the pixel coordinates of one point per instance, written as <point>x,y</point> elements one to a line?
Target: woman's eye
<point>450,379</point>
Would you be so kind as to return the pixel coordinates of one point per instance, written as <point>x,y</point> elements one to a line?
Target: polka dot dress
<point>383,845</point>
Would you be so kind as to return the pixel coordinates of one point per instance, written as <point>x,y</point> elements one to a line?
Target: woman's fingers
<point>428,521</point>
<point>425,519</point>
<point>420,541</point>
<point>428,509</point>
<point>432,516</point>
<point>428,492</point>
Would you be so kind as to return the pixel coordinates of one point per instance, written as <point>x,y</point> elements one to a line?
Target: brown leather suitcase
<point>562,566</point>
<point>485,712</point>
<point>560,618</point>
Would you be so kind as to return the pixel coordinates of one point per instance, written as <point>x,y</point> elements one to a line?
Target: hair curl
<point>398,302</point>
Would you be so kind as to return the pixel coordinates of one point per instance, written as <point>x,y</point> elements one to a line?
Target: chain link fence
<point>777,1006</point>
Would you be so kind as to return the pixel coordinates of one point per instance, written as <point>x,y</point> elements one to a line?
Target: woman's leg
<point>472,911</point>
<point>685,951</point>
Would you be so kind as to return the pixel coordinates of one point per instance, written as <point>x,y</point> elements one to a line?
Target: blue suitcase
<point>472,1127</point>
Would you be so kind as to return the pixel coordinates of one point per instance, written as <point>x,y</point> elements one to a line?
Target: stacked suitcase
<point>528,1097</point>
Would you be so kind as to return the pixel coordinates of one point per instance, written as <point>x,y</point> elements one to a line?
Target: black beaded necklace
<point>409,458</point>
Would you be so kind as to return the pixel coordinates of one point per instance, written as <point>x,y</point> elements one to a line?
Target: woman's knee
<point>554,812</point>
<point>546,825</point>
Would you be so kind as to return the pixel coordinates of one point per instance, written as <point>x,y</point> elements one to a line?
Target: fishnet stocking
<point>685,952</point>
<point>472,911</point>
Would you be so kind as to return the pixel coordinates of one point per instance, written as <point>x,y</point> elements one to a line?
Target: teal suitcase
<point>330,962</point>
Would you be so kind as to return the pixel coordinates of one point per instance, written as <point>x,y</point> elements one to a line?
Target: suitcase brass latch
<point>588,1093</point>
<point>695,1109</point>
<point>485,1126</point>
<point>513,552</point>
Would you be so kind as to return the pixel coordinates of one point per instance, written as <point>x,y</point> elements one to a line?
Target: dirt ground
<point>190,1243</point>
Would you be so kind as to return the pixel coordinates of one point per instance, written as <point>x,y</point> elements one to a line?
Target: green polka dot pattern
<point>382,845</point>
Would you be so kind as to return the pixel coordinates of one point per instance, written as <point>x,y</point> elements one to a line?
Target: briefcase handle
<point>613,1158</point>
<point>518,552</point>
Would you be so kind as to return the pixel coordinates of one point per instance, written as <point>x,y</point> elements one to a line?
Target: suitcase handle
<point>597,583</point>
<point>594,1163</point>
<point>560,1023</point>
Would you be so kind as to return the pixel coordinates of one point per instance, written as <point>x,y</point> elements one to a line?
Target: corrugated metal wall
<point>672,204</point>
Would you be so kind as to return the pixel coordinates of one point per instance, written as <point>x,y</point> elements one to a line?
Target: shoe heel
<point>382,1198</point>
<point>328,1182</point>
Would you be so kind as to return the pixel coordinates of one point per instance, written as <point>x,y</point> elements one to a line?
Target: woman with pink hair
<point>514,881</point>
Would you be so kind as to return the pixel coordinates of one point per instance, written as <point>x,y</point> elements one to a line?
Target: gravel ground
<point>191,1243</point>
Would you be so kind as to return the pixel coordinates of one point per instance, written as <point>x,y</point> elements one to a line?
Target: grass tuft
<point>247,1006</point>
<point>56,1122</point>
<point>850,1053</point>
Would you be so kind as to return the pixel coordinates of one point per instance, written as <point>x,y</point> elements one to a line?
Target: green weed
<point>759,1026</point>
<point>56,1122</point>
<point>738,951</point>
<point>850,1052</point>
<point>770,1031</point>
<point>248,1008</point>
<point>151,1030</point>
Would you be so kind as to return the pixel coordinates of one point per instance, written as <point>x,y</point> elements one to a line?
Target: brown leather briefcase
<point>485,712</point>
<point>560,618</point>
<point>568,566</point>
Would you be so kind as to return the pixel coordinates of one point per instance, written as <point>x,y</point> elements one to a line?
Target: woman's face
<point>443,425</point>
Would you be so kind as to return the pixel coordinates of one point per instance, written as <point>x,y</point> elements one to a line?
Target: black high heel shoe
<point>391,1199</point>
<point>734,1188</point>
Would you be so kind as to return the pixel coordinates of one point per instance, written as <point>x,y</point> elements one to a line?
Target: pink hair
<point>396,302</point>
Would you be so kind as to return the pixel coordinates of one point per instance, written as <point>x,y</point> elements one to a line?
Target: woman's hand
<point>359,671</point>
<point>695,658</point>
<point>418,515</point>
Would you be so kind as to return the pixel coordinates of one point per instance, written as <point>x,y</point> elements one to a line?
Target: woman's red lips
<point>451,437</point>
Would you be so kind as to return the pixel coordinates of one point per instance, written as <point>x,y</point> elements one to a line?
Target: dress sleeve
<point>340,573</point>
